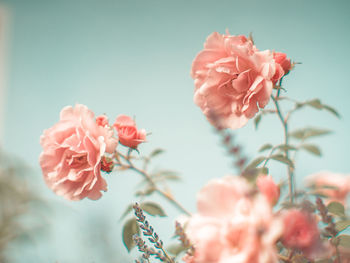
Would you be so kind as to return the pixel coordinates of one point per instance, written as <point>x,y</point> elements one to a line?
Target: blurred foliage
<point>18,201</point>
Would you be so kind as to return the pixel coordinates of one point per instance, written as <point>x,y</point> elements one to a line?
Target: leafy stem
<point>130,165</point>
<point>284,122</point>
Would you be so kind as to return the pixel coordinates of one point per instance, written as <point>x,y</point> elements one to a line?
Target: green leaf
<point>265,147</point>
<point>256,162</point>
<point>152,209</point>
<point>257,120</point>
<point>311,148</point>
<point>156,152</point>
<point>336,208</point>
<point>283,159</point>
<point>250,173</point>
<point>166,174</point>
<point>315,103</point>
<point>303,134</point>
<point>344,241</point>
<point>171,177</point>
<point>148,191</point>
<point>286,147</point>
<point>263,170</point>
<point>342,225</point>
<point>331,110</point>
<point>130,229</point>
<point>175,249</point>
<point>163,175</point>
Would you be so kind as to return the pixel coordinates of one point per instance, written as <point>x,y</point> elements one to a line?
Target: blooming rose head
<point>335,186</point>
<point>233,79</point>
<point>72,151</point>
<point>233,224</point>
<point>268,188</point>
<point>301,232</point>
<point>128,133</point>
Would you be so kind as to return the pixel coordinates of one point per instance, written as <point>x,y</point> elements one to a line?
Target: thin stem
<point>268,156</point>
<point>171,199</point>
<point>286,151</point>
<point>167,255</point>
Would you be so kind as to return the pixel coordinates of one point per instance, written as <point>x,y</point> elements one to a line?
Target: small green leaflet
<point>305,133</point>
<point>311,148</point>
<point>130,229</point>
<point>336,208</point>
<point>152,209</point>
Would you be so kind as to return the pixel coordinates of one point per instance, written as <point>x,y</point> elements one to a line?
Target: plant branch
<point>286,141</point>
<point>130,165</point>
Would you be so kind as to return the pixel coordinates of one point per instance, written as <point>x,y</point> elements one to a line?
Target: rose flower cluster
<point>239,219</point>
<point>74,151</point>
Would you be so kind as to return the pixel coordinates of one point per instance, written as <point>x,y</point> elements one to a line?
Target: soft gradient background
<point>134,57</point>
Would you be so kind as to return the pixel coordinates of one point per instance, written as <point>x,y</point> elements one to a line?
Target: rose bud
<point>268,188</point>
<point>128,133</point>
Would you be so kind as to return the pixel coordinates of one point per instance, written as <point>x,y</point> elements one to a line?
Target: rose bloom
<point>268,188</point>
<point>128,133</point>
<point>301,232</point>
<point>233,224</point>
<point>72,151</point>
<point>335,186</point>
<point>233,79</point>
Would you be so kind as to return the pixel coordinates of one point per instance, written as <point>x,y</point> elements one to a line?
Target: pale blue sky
<point>134,57</point>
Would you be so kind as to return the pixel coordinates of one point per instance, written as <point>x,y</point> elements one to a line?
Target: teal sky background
<point>134,57</point>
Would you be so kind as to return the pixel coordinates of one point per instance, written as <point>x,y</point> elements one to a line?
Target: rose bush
<point>334,186</point>
<point>72,151</point>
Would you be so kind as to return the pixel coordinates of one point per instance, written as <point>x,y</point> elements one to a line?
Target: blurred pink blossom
<point>72,151</point>
<point>233,224</point>
<point>301,232</point>
<point>128,133</point>
<point>334,185</point>
<point>233,79</point>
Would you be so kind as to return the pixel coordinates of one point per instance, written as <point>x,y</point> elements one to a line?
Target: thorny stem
<point>286,141</point>
<point>168,196</point>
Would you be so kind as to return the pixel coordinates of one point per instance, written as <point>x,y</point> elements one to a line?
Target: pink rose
<point>301,232</point>
<point>233,224</point>
<point>268,188</point>
<point>335,186</point>
<point>128,134</point>
<point>72,151</point>
<point>233,79</point>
